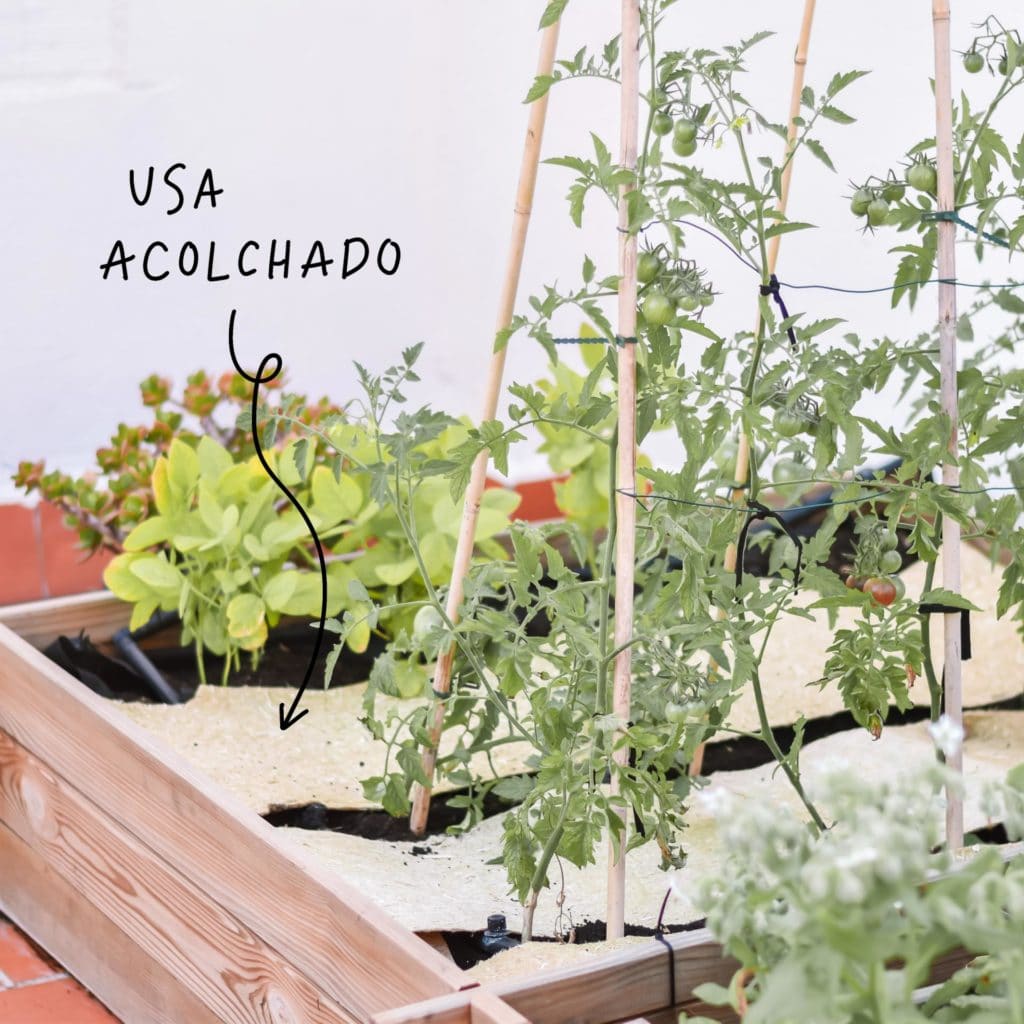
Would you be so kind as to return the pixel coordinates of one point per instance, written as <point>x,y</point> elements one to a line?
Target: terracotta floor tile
<point>52,1002</point>
<point>66,569</point>
<point>20,557</point>
<point>538,498</point>
<point>20,960</point>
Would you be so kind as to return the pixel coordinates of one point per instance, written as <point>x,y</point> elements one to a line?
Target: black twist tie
<point>659,936</point>
<point>441,695</point>
<point>965,624</point>
<point>774,289</point>
<point>756,511</point>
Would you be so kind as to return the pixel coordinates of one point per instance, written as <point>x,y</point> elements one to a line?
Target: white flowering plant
<point>846,925</point>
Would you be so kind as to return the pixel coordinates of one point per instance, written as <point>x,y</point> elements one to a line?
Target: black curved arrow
<point>286,718</point>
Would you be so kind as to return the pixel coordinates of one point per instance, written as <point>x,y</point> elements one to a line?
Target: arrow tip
<point>288,718</point>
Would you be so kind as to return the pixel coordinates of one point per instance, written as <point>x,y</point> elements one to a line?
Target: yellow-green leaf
<point>145,535</point>
<point>157,573</point>
<point>182,467</point>
<point>335,500</point>
<point>122,582</point>
<point>246,614</point>
<point>214,460</point>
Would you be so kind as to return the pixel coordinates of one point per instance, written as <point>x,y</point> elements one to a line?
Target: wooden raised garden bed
<point>173,901</point>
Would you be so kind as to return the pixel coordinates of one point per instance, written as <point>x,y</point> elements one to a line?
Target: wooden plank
<point>436,940</point>
<point>474,1006</point>
<point>231,970</point>
<point>99,613</point>
<point>88,944</point>
<point>486,1008</point>
<point>450,1009</point>
<point>620,985</point>
<point>331,933</point>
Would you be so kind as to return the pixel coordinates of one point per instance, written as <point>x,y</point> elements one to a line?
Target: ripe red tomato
<point>882,591</point>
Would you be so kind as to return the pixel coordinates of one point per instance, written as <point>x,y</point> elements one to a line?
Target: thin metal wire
<point>860,500</point>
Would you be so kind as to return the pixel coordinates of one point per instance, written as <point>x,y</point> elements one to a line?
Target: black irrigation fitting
<point>126,642</point>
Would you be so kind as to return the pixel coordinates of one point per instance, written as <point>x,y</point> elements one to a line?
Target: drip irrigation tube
<point>126,642</point>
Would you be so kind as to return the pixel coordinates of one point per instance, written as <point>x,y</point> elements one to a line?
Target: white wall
<point>399,118</point>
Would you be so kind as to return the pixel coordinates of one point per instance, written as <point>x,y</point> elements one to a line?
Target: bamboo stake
<point>478,476</point>
<point>625,536</point>
<point>948,387</point>
<point>743,449</point>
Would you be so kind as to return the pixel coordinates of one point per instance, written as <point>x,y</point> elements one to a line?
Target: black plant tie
<point>659,936</point>
<point>757,511</point>
<point>773,288</point>
<point>965,624</point>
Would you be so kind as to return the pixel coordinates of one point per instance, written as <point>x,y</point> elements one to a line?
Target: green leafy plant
<point>533,646</point>
<point>839,927</point>
<point>228,554</point>
<point>104,504</point>
<point>989,174</point>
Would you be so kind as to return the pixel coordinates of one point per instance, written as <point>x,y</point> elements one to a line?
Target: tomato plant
<point>699,631</point>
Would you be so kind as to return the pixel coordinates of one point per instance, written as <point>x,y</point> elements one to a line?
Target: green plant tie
<point>951,216</point>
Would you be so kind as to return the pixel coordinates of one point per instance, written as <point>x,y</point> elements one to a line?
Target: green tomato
<point>787,471</point>
<point>658,309</point>
<point>973,62</point>
<point>688,303</point>
<point>725,456</point>
<point>706,298</point>
<point>1004,65</point>
<point>788,422</point>
<point>648,267</point>
<point>675,713</point>
<point>662,123</point>
<point>890,562</point>
<point>686,130</point>
<point>427,618</point>
<point>921,175</point>
<point>893,191</point>
<point>860,202</point>
<point>888,541</point>
<point>682,148</point>
<point>878,212</point>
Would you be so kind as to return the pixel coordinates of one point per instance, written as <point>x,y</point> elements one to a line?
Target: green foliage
<point>106,503</point>
<point>837,927</point>
<point>223,547</point>
<point>988,174</point>
<point>533,645</point>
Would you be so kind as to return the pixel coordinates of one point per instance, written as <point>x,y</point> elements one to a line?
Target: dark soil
<point>467,947</point>
<point>372,824</point>
<point>283,662</point>
<point>733,755</point>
